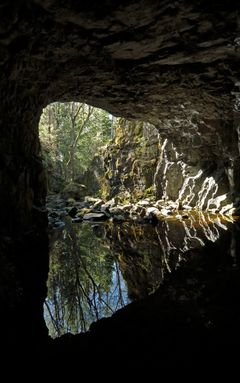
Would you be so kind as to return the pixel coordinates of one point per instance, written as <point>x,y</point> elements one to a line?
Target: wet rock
<point>76,220</point>
<point>150,211</point>
<point>72,211</point>
<point>83,211</point>
<point>165,212</point>
<point>115,210</point>
<point>55,201</point>
<point>127,208</point>
<point>187,207</point>
<point>159,203</point>
<point>53,214</point>
<point>106,206</point>
<point>70,201</point>
<point>97,205</point>
<point>58,224</point>
<point>178,216</point>
<point>144,203</point>
<point>80,205</point>
<point>119,218</point>
<point>95,217</point>
<point>91,200</point>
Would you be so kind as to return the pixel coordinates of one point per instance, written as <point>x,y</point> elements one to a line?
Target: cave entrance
<point>73,137</point>
<point>115,234</point>
<point>85,282</point>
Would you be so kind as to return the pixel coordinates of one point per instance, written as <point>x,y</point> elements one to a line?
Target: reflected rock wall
<point>149,254</point>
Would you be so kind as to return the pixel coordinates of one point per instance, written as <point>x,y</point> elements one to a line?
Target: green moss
<point>109,174</point>
<point>123,198</point>
<point>71,201</point>
<point>150,190</point>
<point>104,188</point>
<point>130,162</point>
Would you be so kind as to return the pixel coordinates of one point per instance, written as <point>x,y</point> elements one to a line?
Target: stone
<point>107,205</point>
<point>58,224</point>
<point>91,200</point>
<point>92,177</point>
<point>176,176</point>
<point>72,211</point>
<point>152,211</point>
<point>127,208</point>
<point>118,218</point>
<point>76,220</point>
<point>83,211</point>
<point>97,205</point>
<point>165,212</point>
<point>179,78</point>
<point>74,190</point>
<point>143,203</point>
<point>115,210</point>
<point>174,65</point>
<point>95,217</point>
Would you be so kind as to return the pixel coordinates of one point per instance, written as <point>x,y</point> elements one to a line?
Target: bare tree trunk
<point>76,131</point>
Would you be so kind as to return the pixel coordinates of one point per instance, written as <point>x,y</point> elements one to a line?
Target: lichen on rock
<point>144,161</point>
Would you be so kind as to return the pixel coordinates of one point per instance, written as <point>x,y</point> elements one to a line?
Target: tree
<point>71,134</point>
<point>77,127</point>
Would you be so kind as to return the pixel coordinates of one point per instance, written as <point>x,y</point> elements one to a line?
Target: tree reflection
<point>88,264</point>
<point>84,283</point>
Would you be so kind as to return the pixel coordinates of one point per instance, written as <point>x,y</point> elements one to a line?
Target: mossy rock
<point>149,191</point>
<point>74,190</point>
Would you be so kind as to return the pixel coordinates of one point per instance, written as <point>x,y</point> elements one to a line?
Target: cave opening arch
<point>148,62</point>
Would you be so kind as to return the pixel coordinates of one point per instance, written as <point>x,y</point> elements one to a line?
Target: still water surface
<point>95,269</point>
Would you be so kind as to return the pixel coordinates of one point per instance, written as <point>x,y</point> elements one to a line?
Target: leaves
<point>71,135</point>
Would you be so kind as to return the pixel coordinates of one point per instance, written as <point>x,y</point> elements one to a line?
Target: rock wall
<point>159,62</point>
<point>195,167</point>
<point>93,178</point>
<point>23,237</point>
<point>22,176</point>
<point>131,160</point>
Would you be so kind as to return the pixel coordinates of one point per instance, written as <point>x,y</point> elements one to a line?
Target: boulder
<point>95,217</point>
<point>74,190</point>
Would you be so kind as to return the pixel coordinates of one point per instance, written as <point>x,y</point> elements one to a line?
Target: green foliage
<point>149,191</point>
<point>71,135</point>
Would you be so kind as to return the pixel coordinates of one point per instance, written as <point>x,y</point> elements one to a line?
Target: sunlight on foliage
<point>71,135</point>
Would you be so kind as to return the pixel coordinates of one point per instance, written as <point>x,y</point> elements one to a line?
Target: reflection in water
<point>97,269</point>
<point>84,283</point>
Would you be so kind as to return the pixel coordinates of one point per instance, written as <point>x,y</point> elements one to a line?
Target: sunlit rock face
<point>166,63</point>
<point>162,62</point>
<point>189,168</point>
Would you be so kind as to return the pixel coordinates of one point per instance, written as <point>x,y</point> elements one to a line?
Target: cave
<point>172,65</point>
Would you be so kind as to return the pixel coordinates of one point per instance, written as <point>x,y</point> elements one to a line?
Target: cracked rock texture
<point>166,63</point>
<point>189,169</point>
<point>174,65</point>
